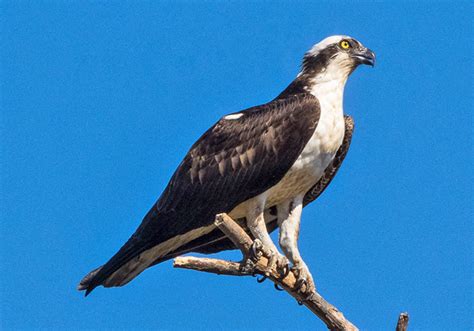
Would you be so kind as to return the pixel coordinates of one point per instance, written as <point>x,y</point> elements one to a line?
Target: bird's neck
<point>327,85</point>
<point>330,93</point>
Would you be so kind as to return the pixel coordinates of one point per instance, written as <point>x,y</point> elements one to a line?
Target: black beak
<point>364,56</point>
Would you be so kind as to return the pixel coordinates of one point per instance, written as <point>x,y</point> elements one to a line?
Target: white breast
<point>320,149</point>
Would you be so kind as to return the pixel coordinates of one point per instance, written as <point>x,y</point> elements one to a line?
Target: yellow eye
<point>345,44</point>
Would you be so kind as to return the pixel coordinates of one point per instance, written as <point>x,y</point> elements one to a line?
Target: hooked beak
<point>364,56</point>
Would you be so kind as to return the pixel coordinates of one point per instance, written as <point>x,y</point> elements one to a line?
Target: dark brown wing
<point>235,160</point>
<point>215,241</point>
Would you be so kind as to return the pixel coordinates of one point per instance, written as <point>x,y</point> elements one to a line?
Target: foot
<point>277,261</point>
<point>304,279</point>
<point>255,253</point>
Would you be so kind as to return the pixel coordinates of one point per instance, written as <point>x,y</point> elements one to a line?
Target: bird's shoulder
<point>300,112</point>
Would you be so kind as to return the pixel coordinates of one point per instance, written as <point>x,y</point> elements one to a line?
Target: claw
<point>261,280</point>
<point>271,264</point>
<point>301,284</point>
<point>304,281</point>
<point>278,288</point>
<point>285,271</point>
<point>256,250</point>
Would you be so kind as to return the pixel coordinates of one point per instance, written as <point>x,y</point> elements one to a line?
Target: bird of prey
<point>260,165</point>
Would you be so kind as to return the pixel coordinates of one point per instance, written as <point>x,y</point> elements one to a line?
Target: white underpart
<point>233,116</point>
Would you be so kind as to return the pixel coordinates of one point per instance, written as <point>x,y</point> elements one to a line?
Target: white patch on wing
<point>233,116</point>
<point>135,266</point>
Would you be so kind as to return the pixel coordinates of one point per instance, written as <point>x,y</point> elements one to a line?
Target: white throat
<point>328,87</point>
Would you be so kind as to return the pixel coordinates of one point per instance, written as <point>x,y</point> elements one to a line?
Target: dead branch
<point>329,314</point>
<point>402,324</point>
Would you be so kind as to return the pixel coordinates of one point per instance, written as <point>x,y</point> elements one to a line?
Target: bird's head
<point>335,57</point>
<point>327,65</point>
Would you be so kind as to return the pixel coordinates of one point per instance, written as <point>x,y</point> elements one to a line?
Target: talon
<point>271,264</point>
<point>285,271</point>
<point>277,287</point>
<point>304,281</point>
<point>300,283</point>
<point>261,280</point>
<point>283,266</point>
<point>256,250</point>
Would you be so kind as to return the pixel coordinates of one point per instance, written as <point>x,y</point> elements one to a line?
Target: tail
<point>124,266</point>
<point>127,264</point>
<point>138,253</point>
<point>86,284</point>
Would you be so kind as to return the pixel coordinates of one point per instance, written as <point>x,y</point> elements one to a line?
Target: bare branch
<point>234,232</point>
<point>329,314</point>
<point>402,324</point>
<point>214,266</point>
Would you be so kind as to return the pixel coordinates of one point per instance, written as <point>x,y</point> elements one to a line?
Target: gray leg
<point>256,224</point>
<point>289,217</point>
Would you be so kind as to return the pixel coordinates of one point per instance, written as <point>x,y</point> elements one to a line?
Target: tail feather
<point>130,260</point>
<point>118,271</point>
<point>87,281</point>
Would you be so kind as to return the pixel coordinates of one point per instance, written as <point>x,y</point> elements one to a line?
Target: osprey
<point>260,165</point>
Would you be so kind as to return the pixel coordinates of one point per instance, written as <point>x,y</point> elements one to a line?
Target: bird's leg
<point>256,224</point>
<point>289,217</point>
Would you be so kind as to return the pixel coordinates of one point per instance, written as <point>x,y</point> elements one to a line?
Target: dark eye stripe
<point>356,42</point>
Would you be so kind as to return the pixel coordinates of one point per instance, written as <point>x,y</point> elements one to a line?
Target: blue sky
<point>100,100</point>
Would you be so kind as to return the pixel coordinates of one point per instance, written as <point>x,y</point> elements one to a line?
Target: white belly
<point>315,158</point>
<point>310,165</point>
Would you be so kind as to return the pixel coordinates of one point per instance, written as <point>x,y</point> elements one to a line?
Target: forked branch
<point>329,314</point>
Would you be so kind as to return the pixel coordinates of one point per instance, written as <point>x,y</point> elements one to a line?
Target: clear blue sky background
<point>101,100</point>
